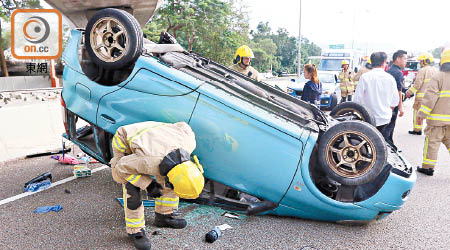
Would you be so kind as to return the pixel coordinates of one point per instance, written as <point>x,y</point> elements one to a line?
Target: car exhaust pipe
<point>259,207</point>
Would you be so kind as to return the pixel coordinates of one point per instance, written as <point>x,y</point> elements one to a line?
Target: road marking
<point>25,194</point>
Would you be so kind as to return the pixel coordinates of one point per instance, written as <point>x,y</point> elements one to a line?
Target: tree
<point>6,9</point>
<point>215,28</point>
<point>437,52</point>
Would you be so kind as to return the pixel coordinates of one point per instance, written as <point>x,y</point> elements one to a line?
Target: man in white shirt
<point>377,91</point>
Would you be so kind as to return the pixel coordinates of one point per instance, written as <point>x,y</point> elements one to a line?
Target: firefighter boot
<point>168,220</point>
<point>427,171</point>
<point>141,241</point>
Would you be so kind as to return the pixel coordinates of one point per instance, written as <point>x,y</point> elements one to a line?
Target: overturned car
<point>288,156</point>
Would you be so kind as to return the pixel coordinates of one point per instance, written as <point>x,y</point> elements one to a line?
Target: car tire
<point>352,111</point>
<point>334,101</point>
<point>352,153</point>
<point>114,39</point>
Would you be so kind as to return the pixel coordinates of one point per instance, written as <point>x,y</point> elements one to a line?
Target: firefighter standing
<point>242,60</point>
<point>346,85</point>
<point>366,68</point>
<point>435,108</point>
<point>420,84</point>
<point>161,150</point>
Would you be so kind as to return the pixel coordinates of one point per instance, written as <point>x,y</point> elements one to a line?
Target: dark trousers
<point>391,125</point>
<point>383,131</point>
<point>347,98</point>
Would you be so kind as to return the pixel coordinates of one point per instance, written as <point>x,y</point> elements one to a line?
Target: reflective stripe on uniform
<point>445,93</point>
<point>426,80</point>
<point>429,161</point>
<point>118,144</point>
<point>425,109</point>
<point>140,222</point>
<point>420,94</point>
<point>133,178</point>
<point>168,202</point>
<point>425,148</point>
<point>140,132</point>
<point>414,90</point>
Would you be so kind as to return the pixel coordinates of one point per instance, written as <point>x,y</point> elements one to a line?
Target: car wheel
<point>352,111</point>
<point>114,38</point>
<point>334,101</point>
<point>352,153</point>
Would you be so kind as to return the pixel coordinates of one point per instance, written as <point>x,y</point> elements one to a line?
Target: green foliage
<point>216,28</point>
<point>213,28</point>
<point>283,56</point>
<point>437,52</point>
<point>6,39</point>
<point>8,6</point>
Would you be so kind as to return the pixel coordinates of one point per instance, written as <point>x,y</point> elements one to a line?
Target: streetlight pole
<point>299,40</point>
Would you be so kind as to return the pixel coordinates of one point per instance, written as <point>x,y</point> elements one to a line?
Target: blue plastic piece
<point>45,209</point>
<point>33,187</point>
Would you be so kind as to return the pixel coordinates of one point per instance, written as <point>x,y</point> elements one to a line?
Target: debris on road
<point>67,191</point>
<point>156,233</point>
<point>49,153</point>
<point>81,171</point>
<point>66,159</point>
<point>41,181</point>
<point>231,215</point>
<point>45,209</point>
<point>214,234</point>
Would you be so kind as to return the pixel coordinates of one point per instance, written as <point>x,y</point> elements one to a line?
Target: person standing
<point>313,88</point>
<point>435,108</point>
<point>242,60</point>
<point>399,62</point>
<point>365,69</point>
<point>420,84</point>
<point>377,91</point>
<point>161,150</point>
<point>346,83</point>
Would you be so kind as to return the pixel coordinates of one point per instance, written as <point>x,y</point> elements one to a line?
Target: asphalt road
<point>92,219</point>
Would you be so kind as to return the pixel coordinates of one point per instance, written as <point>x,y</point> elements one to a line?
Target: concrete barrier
<point>30,128</point>
<point>24,82</point>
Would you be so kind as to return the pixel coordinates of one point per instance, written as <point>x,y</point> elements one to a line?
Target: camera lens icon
<point>36,29</point>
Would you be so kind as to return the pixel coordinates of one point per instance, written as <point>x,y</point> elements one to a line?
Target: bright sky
<point>375,25</point>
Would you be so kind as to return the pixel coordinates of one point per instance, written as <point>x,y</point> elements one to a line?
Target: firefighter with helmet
<point>365,69</point>
<point>242,60</point>
<point>346,79</point>
<point>161,150</point>
<point>435,107</point>
<point>418,89</point>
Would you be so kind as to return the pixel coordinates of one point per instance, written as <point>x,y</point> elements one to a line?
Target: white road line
<point>20,196</point>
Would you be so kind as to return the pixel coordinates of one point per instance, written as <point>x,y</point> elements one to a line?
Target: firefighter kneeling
<point>161,150</point>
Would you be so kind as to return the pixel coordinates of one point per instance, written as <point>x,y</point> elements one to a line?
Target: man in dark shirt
<point>399,58</point>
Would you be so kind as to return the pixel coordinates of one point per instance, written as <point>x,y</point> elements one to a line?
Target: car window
<point>326,78</point>
<point>330,64</point>
<point>414,66</point>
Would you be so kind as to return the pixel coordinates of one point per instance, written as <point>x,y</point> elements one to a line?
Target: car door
<point>244,146</point>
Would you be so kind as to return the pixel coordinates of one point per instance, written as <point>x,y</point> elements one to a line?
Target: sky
<point>373,25</point>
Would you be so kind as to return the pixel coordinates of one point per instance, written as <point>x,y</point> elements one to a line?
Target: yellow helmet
<point>241,52</point>
<point>369,61</point>
<point>427,58</point>
<point>344,62</point>
<point>445,57</point>
<point>187,179</point>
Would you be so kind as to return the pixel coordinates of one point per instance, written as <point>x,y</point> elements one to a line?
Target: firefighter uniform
<point>358,75</point>
<point>138,151</point>
<point>248,71</point>
<point>435,107</point>
<point>420,84</point>
<point>346,85</point>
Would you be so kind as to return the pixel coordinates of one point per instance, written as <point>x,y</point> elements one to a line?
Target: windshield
<point>413,66</point>
<point>326,78</point>
<point>330,64</point>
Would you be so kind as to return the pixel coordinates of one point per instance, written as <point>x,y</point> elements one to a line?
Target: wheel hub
<point>350,154</point>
